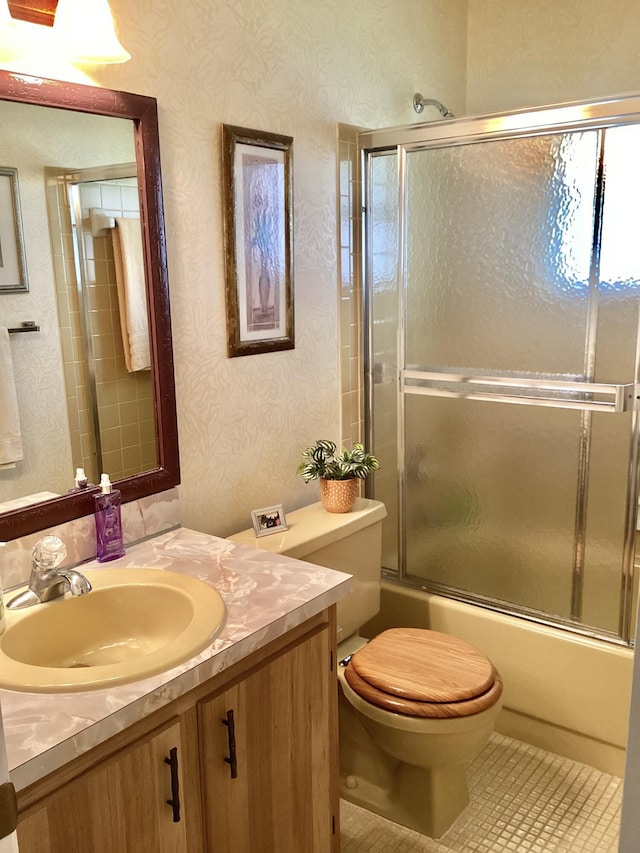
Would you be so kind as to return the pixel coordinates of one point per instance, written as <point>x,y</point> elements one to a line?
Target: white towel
<point>10,438</point>
<point>132,293</point>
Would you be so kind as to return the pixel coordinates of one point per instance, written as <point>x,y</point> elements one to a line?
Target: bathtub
<point>562,692</point>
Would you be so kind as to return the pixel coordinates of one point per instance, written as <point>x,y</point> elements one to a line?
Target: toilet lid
<point>423,666</point>
<point>434,710</point>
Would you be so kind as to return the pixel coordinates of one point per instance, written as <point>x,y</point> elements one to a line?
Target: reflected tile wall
<point>124,400</point>
<point>349,277</point>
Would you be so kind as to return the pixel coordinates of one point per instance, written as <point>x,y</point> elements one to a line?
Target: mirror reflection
<point>83,384</point>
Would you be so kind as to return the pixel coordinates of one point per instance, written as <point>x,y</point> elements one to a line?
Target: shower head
<point>419,103</point>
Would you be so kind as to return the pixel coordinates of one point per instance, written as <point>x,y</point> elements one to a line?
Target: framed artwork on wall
<point>13,263</point>
<point>257,187</point>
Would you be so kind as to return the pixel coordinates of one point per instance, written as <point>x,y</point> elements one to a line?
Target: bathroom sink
<point>133,624</point>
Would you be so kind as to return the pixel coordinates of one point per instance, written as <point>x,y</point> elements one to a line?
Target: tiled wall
<point>124,400</point>
<point>74,364</point>
<point>350,295</point>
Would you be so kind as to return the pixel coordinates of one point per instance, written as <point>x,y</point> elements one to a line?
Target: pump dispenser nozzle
<point>105,484</point>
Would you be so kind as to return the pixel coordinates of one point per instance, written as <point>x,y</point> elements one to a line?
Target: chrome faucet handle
<point>48,553</point>
<point>48,580</point>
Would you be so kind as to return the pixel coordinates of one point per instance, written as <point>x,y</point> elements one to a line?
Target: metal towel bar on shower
<point>556,393</point>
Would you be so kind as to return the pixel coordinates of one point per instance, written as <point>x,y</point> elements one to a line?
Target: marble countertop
<point>265,594</point>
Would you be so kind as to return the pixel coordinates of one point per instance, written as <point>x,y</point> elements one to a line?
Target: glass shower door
<point>504,299</point>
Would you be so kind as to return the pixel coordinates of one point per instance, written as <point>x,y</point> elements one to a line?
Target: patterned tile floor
<point>523,800</point>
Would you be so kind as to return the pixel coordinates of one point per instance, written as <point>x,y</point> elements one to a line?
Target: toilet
<point>416,706</point>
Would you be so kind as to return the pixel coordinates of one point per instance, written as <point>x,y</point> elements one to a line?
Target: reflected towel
<point>10,438</point>
<point>132,293</point>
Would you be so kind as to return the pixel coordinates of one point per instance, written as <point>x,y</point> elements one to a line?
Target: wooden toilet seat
<point>421,673</point>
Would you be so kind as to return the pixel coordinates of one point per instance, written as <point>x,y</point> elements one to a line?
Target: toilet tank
<point>348,541</point>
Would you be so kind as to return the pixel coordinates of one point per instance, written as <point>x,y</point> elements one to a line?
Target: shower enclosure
<point>502,284</point>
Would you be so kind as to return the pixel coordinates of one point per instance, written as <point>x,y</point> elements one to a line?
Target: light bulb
<point>10,42</point>
<point>85,30</point>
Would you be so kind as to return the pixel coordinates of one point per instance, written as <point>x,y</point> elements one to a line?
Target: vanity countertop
<point>265,594</point>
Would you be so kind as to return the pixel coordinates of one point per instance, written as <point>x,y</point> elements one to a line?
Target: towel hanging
<point>10,436</point>
<point>132,293</point>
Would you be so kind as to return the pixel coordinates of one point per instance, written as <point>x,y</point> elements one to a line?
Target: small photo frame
<point>269,519</point>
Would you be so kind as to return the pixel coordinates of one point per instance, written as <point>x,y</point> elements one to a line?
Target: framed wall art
<point>257,182</point>
<point>13,263</point>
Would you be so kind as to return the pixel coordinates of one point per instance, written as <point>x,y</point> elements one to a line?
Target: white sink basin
<point>133,624</point>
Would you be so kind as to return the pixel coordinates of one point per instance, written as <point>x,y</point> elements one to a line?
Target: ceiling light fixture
<point>87,31</point>
<point>10,46</point>
<point>83,30</point>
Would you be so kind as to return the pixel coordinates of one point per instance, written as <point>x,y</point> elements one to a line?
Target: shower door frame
<point>399,141</point>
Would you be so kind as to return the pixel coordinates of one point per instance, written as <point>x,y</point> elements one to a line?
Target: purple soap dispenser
<point>109,540</point>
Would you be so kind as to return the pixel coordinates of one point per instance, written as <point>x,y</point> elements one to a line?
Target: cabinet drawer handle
<point>231,732</point>
<point>174,802</point>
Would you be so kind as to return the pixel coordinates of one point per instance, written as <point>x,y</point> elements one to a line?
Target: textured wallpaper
<point>296,68</point>
<point>528,54</point>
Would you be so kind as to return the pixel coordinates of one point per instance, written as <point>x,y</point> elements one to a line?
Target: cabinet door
<point>118,807</point>
<point>279,795</point>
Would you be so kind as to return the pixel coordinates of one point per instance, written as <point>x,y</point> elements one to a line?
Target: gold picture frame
<point>257,187</point>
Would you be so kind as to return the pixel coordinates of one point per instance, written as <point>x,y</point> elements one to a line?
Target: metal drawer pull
<point>174,802</point>
<point>231,759</point>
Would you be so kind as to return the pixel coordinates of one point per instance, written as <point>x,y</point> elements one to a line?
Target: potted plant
<point>339,473</point>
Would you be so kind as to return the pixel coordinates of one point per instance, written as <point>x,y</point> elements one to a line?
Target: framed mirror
<point>75,149</point>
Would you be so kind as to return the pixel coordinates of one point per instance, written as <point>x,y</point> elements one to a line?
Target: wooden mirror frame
<point>142,111</point>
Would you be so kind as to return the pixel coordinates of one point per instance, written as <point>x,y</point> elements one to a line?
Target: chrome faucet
<point>47,579</point>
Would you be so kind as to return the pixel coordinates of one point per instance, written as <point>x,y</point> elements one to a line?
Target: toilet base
<point>427,801</point>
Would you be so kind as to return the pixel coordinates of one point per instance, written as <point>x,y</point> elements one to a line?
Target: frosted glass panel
<point>526,506</point>
<point>619,278</point>
<point>382,238</point>
<point>491,499</point>
<point>499,243</point>
<point>605,529</point>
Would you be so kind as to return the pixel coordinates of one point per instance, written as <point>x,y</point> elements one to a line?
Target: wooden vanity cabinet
<point>256,750</point>
<point>265,757</point>
<point>119,805</point>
